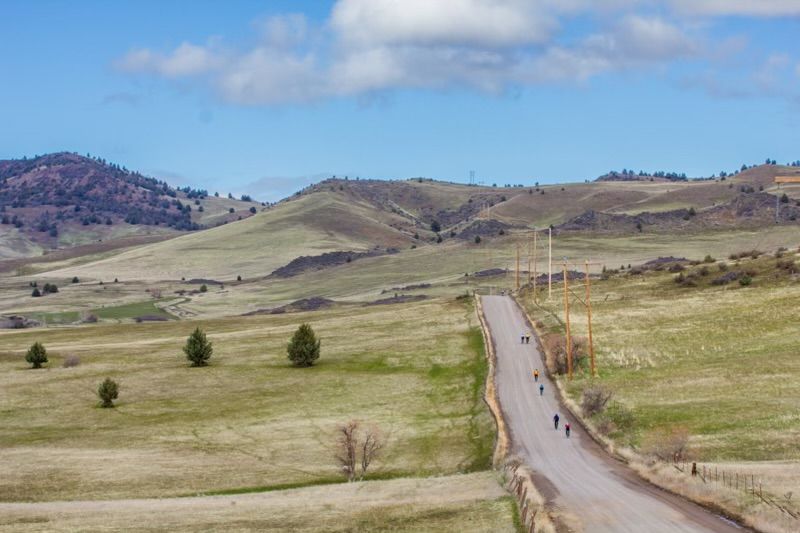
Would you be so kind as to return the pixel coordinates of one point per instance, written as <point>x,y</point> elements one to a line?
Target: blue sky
<point>265,97</point>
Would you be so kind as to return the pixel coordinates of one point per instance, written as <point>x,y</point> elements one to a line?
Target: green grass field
<point>249,421</point>
<point>719,361</point>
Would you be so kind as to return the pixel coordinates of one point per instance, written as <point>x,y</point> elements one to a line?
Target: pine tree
<point>108,391</point>
<point>36,355</point>
<point>304,347</point>
<point>198,349</point>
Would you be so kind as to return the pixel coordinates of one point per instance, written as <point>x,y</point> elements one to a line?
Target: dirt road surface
<point>589,490</point>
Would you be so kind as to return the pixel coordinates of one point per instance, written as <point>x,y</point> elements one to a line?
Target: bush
<point>708,259</point>
<point>88,318</point>
<point>304,347</point>
<point>71,361</point>
<point>108,391</point>
<point>253,210</point>
<point>745,280</point>
<point>676,267</point>
<point>555,345</point>
<point>436,227</point>
<point>75,279</point>
<point>238,278</point>
<point>37,355</point>
<point>50,288</point>
<point>594,399</point>
<point>477,239</point>
<point>36,293</point>
<point>198,349</point>
<point>203,288</point>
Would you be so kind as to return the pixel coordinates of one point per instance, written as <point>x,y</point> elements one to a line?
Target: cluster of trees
<point>49,288</point>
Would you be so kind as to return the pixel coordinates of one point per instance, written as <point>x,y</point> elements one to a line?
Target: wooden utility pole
<point>550,263</point>
<point>529,261</point>
<point>516,271</point>
<point>566,316</point>
<point>535,234</point>
<point>589,318</point>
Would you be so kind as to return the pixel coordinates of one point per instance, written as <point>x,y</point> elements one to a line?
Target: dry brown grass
<point>470,503</point>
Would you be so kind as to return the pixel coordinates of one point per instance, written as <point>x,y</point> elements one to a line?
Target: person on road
<point>566,429</point>
<point>541,390</point>
<point>527,338</point>
<point>556,418</point>
<point>536,375</point>
<point>522,339</point>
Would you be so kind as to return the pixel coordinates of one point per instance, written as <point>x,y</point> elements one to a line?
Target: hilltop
<point>63,199</point>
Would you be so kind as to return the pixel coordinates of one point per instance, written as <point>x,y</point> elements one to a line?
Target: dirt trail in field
<point>588,489</point>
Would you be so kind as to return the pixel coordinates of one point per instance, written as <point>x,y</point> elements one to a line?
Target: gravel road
<point>590,490</point>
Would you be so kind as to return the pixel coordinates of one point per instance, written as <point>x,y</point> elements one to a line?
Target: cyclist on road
<point>556,418</point>
<point>541,390</point>
<point>566,429</point>
<point>536,375</point>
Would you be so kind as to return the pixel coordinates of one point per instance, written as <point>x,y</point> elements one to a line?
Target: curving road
<point>588,490</point>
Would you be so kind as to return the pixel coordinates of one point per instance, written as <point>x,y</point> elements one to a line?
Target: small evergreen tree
<point>108,391</point>
<point>303,349</point>
<point>203,288</point>
<point>36,293</point>
<point>75,279</point>
<point>198,348</point>
<point>477,239</point>
<point>435,226</point>
<point>37,355</point>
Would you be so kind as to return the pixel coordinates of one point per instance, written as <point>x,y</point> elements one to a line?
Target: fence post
<point>752,484</point>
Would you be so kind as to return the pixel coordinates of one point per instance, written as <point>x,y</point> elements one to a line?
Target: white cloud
<point>186,60</point>
<point>370,46</point>
<point>758,8</point>
<point>490,23</point>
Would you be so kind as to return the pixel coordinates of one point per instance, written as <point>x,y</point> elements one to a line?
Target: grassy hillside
<point>254,247</point>
<point>248,420</point>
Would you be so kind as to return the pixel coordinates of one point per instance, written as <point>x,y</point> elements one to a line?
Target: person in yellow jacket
<point>536,375</point>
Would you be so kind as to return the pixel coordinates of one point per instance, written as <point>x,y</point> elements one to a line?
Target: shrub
<point>75,279</point>
<point>37,355</point>
<point>304,347</point>
<point>238,278</point>
<point>676,267</point>
<point>50,288</point>
<point>36,293</point>
<point>108,391</point>
<point>88,318</point>
<point>708,259</point>
<point>594,399</point>
<point>477,239</point>
<point>71,361</point>
<point>253,210</point>
<point>203,288</point>
<point>436,227</point>
<point>555,345</point>
<point>198,349</point>
<point>745,280</point>
<point>723,267</point>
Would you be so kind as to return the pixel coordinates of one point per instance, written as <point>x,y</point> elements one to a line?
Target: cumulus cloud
<point>367,47</point>
<point>186,60</point>
<point>490,23</point>
<point>758,8</point>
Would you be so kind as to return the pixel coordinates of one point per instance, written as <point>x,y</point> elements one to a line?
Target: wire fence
<point>747,484</point>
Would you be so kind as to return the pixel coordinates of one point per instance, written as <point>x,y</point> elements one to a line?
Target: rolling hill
<point>63,199</point>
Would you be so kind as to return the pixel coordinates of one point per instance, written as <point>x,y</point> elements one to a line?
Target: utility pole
<point>535,234</point>
<point>529,261</point>
<point>566,316</point>
<point>516,271</point>
<point>589,317</point>
<point>550,263</point>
